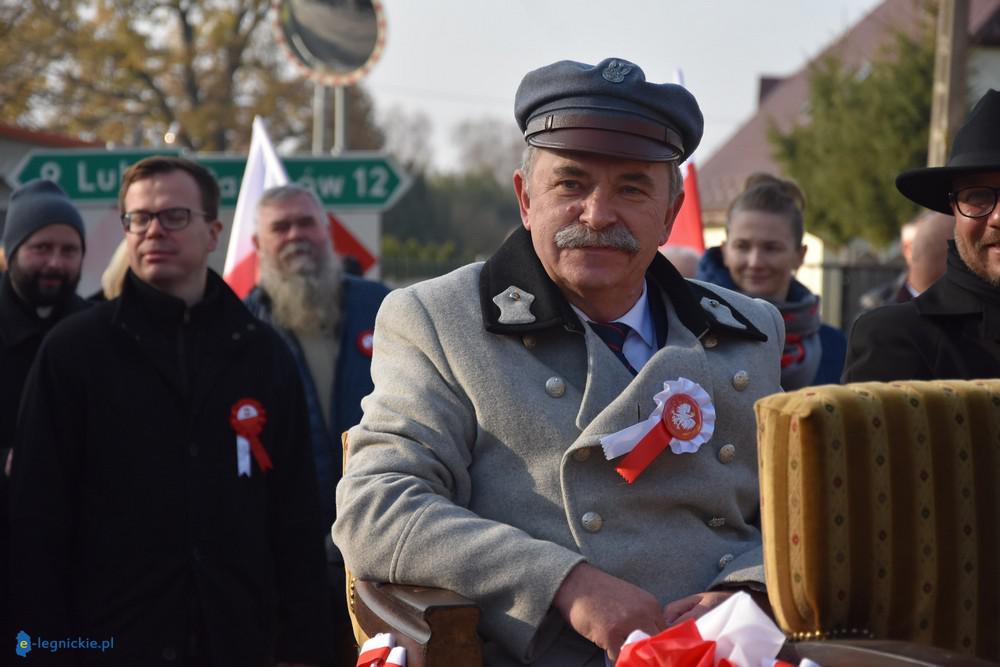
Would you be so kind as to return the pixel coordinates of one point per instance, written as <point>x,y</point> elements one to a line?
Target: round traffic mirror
<point>333,42</point>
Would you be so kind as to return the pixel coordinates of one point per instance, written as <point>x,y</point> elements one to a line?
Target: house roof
<point>721,176</point>
<point>41,138</point>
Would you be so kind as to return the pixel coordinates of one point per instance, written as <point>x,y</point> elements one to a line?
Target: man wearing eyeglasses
<point>163,489</point>
<point>952,330</point>
<point>44,242</point>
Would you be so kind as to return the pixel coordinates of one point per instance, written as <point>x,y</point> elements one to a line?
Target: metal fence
<point>843,285</point>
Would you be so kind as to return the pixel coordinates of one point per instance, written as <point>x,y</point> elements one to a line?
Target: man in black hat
<point>952,330</point>
<point>44,242</point>
<point>564,433</point>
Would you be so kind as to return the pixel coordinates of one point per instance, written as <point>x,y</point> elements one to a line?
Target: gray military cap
<point>608,108</point>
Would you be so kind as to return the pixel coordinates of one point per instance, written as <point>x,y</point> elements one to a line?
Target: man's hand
<point>8,462</point>
<point>605,609</point>
<point>693,606</point>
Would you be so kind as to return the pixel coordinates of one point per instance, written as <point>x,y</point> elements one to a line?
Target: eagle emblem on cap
<point>616,71</point>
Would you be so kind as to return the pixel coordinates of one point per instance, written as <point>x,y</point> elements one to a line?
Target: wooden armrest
<point>876,653</point>
<point>437,627</point>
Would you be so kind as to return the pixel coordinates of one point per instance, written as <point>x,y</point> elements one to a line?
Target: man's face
<point>46,267</point>
<point>978,239</point>
<point>292,235</point>
<point>596,222</point>
<point>174,262</point>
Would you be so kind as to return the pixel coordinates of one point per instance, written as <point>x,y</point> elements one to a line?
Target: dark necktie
<point>614,334</point>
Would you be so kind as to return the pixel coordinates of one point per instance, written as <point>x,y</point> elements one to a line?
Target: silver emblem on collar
<point>721,313</point>
<point>616,71</point>
<point>515,306</point>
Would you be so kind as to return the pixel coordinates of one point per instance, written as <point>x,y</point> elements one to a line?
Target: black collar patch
<point>515,266</point>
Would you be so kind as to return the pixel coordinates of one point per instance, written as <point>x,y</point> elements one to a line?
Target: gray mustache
<point>294,247</point>
<point>578,235</point>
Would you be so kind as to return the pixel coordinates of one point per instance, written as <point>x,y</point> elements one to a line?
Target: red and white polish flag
<point>264,170</point>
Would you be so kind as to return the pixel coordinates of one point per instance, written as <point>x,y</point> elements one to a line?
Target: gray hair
<point>530,154</point>
<point>280,193</point>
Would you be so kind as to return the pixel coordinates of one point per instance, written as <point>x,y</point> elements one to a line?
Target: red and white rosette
<point>684,420</point>
<point>247,417</point>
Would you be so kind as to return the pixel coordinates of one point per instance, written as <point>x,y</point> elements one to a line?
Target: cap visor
<point>604,142</point>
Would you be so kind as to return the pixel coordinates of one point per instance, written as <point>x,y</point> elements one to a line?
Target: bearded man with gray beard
<point>326,317</point>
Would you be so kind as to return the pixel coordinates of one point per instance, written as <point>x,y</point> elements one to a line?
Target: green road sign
<point>84,174</point>
<point>361,181</point>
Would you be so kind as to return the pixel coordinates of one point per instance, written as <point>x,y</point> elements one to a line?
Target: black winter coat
<point>21,333</point>
<point>950,331</point>
<point>129,518</point>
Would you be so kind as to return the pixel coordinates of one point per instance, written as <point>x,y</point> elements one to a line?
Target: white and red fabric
<point>737,633</point>
<point>264,170</point>
<point>381,651</point>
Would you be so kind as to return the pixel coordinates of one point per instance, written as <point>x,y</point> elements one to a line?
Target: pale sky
<point>463,59</point>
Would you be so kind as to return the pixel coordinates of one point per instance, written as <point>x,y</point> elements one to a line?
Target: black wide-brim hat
<point>976,149</point>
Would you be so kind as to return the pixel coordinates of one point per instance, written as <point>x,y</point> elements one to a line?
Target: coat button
<point>193,449</point>
<point>592,522</point>
<point>741,380</point>
<point>529,342</point>
<point>711,341</point>
<point>581,454</point>
<point>236,335</point>
<point>727,453</point>
<point>716,522</point>
<point>169,654</point>
<point>555,387</point>
<point>725,560</point>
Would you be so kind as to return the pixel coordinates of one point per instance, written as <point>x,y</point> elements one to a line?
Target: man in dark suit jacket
<point>952,330</point>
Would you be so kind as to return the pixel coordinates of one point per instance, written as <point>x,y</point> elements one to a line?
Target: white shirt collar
<point>639,318</point>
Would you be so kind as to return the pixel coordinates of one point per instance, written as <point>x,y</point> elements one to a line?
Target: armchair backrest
<point>880,507</point>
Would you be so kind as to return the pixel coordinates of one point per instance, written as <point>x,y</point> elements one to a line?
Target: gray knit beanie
<point>35,205</point>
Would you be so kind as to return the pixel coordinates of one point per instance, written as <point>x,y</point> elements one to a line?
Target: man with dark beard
<point>327,318</point>
<point>44,242</point>
<point>951,330</point>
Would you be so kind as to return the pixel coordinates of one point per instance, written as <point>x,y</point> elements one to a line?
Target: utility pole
<point>319,118</point>
<point>948,94</point>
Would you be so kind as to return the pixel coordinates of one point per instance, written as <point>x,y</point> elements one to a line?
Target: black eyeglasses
<point>171,219</point>
<point>977,201</point>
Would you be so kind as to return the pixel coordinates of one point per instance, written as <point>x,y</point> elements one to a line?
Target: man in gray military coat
<point>564,433</point>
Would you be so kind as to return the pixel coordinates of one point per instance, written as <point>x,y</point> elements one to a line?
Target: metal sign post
<point>334,45</point>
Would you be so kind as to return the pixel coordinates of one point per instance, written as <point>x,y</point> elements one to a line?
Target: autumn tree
<point>123,71</point>
<point>864,126</point>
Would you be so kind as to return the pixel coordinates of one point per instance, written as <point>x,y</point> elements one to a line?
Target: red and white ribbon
<point>684,420</point>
